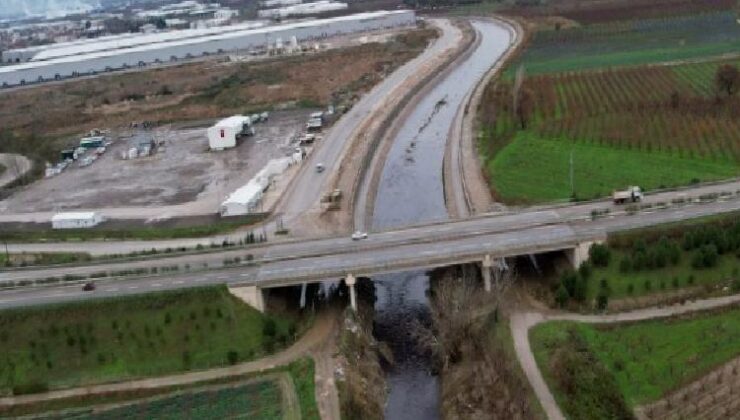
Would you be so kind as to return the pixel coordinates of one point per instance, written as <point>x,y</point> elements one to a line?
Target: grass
<point>631,43</point>
<point>259,400</point>
<point>43,258</point>
<point>123,338</point>
<point>301,373</point>
<point>651,358</point>
<point>532,169</point>
<point>138,233</point>
<point>583,386</point>
<point>662,280</point>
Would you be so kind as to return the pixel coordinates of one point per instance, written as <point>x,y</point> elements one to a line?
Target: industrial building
<point>76,220</point>
<point>223,134</point>
<point>247,199</point>
<point>86,58</point>
<point>302,9</point>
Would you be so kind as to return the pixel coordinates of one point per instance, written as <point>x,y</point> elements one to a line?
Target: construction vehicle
<point>632,194</point>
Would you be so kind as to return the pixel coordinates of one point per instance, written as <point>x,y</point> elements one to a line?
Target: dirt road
<point>15,167</point>
<point>313,340</point>
<point>522,322</point>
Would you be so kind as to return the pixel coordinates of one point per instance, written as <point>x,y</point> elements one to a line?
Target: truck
<point>632,194</point>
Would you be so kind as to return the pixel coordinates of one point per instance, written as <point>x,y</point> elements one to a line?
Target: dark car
<point>88,287</point>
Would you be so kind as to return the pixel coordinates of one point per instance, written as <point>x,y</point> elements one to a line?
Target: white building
<point>247,198</point>
<point>224,133</point>
<point>83,58</point>
<point>302,9</point>
<point>244,200</point>
<point>76,220</point>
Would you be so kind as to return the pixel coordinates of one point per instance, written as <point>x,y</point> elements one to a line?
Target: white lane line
<point>156,284</point>
<point>178,282</point>
<point>133,287</point>
<point>113,289</point>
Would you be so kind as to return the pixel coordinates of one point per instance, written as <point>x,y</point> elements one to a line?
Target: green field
<point>631,43</point>
<point>102,233</point>
<point>259,395</point>
<point>534,169</point>
<point>696,257</point>
<point>652,126</point>
<point>122,338</point>
<point>255,400</point>
<point>645,360</point>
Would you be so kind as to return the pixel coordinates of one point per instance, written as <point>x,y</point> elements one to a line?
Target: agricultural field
<point>653,126</point>
<point>253,400</point>
<point>631,43</point>
<point>637,362</point>
<point>123,338</point>
<point>658,264</point>
<point>285,392</point>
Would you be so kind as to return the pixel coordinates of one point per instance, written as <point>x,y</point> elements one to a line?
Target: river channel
<point>411,191</point>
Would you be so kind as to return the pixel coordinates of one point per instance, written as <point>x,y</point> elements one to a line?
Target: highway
<point>420,247</point>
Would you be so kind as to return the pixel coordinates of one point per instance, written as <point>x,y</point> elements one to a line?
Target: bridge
<point>484,240</point>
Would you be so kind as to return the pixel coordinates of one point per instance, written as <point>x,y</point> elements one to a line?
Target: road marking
<point>114,289</point>
<point>244,274</point>
<point>156,284</point>
<point>178,282</point>
<point>133,287</point>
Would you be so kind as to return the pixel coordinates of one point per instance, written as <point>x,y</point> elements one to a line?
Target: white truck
<point>632,194</point>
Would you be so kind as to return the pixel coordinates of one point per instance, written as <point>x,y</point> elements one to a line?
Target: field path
<point>522,322</point>
<point>15,167</point>
<point>314,338</point>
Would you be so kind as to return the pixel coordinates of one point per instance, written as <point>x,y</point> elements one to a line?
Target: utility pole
<point>572,189</point>
<point>7,254</point>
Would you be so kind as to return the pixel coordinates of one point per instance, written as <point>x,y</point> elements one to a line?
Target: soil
<point>714,396</point>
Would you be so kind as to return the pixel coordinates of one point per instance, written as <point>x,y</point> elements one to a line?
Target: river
<point>411,191</point>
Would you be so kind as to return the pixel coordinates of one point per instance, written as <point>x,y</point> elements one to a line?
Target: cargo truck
<point>632,194</point>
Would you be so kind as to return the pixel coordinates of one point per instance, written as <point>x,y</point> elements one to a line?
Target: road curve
<point>522,322</point>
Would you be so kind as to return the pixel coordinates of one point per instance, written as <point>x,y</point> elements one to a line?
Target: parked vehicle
<point>88,287</point>
<point>632,194</point>
<point>320,168</point>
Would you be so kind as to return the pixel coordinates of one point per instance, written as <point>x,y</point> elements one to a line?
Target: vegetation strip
<point>114,339</point>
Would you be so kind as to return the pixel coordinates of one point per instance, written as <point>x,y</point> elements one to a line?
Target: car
<point>359,235</point>
<point>320,168</point>
<point>88,287</point>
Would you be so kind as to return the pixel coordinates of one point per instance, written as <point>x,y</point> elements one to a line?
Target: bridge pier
<point>486,266</point>
<point>350,282</point>
<point>252,295</point>
<point>579,254</point>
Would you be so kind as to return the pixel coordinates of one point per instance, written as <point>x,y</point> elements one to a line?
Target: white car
<point>359,235</point>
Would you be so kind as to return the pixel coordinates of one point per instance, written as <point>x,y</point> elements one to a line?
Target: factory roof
<point>235,121</point>
<point>266,30</point>
<point>245,194</point>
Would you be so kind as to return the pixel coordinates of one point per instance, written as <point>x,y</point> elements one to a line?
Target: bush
<point>30,388</point>
<point>706,257</point>
<point>602,300</point>
<point>232,357</point>
<point>599,255</point>
<point>562,296</point>
<point>269,328</point>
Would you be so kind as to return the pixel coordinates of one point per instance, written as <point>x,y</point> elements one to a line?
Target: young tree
<point>727,79</point>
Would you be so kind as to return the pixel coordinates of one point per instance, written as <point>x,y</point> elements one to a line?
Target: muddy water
<point>411,191</point>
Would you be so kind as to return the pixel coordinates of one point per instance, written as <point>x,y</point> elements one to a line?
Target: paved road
<point>419,247</point>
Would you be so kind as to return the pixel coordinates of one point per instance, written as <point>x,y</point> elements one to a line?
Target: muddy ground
<point>183,171</point>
